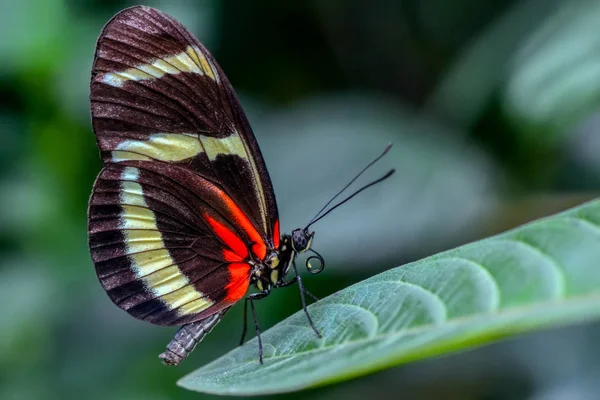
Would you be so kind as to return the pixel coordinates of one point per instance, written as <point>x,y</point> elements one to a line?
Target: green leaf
<point>538,275</point>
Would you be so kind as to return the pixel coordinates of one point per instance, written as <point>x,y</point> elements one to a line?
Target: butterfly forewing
<point>184,199</point>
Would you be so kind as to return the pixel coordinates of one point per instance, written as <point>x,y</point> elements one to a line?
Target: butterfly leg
<point>245,325</point>
<point>250,299</point>
<point>294,280</point>
<point>303,291</point>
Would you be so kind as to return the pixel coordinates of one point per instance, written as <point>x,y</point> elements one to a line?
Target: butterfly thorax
<point>265,274</point>
<point>273,271</point>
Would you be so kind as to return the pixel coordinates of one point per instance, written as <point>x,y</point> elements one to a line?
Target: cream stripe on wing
<point>159,146</point>
<point>149,258</point>
<point>199,59</point>
<point>233,144</point>
<point>175,147</point>
<point>191,60</point>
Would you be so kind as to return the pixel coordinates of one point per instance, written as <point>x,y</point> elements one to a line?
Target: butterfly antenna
<point>387,175</point>
<point>387,148</point>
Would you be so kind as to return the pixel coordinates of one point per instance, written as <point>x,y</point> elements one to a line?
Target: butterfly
<point>182,216</point>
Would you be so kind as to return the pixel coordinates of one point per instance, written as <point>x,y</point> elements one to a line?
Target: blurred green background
<point>493,110</point>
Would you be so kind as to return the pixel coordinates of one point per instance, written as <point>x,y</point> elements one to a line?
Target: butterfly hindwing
<point>155,252</point>
<point>184,199</point>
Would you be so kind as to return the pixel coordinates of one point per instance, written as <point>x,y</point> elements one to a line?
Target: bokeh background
<point>492,107</point>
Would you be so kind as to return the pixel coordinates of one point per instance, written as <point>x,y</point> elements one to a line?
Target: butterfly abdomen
<point>186,338</point>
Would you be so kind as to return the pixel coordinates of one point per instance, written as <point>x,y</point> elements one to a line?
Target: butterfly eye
<point>301,240</point>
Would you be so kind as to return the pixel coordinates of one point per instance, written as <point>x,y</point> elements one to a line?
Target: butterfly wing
<point>184,199</point>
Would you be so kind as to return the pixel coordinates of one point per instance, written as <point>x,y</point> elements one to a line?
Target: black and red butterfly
<point>182,218</point>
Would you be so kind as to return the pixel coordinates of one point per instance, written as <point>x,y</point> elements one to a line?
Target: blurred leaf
<point>28,296</point>
<point>34,34</point>
<point>469,85</point>
<point>524,209</point>
<point>556,73</point>
<point>439,193</point>
<point>581,149</point>
<point>21,210</point>
<point>538,275</point>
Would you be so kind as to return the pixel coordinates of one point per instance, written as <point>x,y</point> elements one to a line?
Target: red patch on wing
<point>231,240</point>
<point>232,256</point>
<point>276,234</point>
<point>259,248</point>
<point>239,280</point>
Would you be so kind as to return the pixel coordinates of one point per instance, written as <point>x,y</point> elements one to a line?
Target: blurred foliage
<point>489,104</point>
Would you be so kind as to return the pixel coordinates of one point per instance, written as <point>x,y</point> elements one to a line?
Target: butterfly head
<point>301,240</point>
